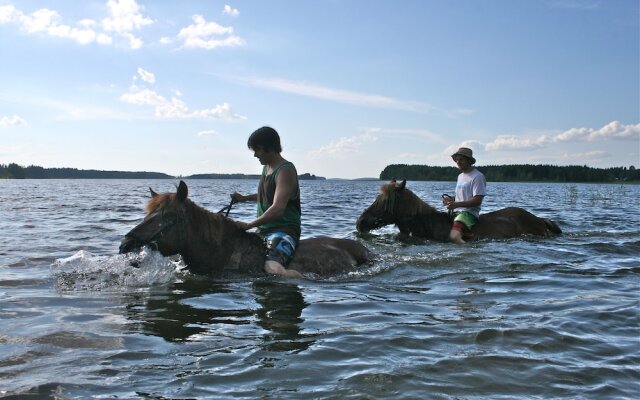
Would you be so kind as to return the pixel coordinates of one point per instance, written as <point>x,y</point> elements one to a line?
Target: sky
<point>351,85</point>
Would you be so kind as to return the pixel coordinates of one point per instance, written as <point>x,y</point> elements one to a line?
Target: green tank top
<point>290,221</point>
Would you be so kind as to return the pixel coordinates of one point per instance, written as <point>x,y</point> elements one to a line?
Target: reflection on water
<point>174,317</point>
<point>194,308</point>
<point>280,313</point>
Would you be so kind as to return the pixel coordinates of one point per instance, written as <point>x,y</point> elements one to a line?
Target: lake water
<point>521,318</point>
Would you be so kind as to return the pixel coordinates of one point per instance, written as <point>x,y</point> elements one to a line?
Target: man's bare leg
<point>274,267</point>
<point>456,236</point>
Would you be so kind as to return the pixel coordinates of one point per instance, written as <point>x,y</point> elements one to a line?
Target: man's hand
<point>237,197</point>
<point>447,200</point>
<point>243,225</point>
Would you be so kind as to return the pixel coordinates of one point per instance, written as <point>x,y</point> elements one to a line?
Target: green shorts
<point>464,221</point>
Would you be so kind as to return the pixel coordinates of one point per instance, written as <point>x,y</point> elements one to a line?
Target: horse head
<point>164,226</point>
<point>384,210</point>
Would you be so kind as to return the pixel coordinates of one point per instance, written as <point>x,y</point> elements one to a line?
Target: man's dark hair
<point>265,138</point>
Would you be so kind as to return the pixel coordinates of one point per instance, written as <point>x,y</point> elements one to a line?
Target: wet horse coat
<point>210,243</point>
<point>398,205</point>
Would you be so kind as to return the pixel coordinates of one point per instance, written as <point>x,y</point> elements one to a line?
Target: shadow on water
<point>197,308</point>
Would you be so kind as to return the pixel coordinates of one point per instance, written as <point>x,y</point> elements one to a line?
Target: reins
<point>450,211</point>
<point>227,208</point>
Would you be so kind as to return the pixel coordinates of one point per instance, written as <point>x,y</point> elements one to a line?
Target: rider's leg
<point>274,267</point>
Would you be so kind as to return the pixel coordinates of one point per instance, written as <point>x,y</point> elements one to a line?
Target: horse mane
<point>158,201</point>
<point>412,205</point>
<point>207,225</point>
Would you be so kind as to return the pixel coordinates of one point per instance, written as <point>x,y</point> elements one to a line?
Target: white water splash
<point>85,271</point>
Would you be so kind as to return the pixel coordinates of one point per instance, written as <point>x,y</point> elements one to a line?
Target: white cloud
<point>175,107</point>
<point>143,97</point>
<point>613,130</point>
<point>348,97</point>
<point>9,14</point>
<point>344,146</point>
<point>125,18</point>
<point>208,35</point>
<point>8,122</point>
<point>589,155</point>
<point>207,133</point>
<point>228,10</point>
<point>48,22</point>
<point>510,142</point>
<point>146,76</point>
<point>406,133</point>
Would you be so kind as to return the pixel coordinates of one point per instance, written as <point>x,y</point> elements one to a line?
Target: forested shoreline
<point>516,173</point>
<point>15,171</point>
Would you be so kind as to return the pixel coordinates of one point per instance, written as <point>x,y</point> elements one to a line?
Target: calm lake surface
<point>521,318</point>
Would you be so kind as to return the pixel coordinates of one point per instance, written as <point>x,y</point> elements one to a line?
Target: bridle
<point>177,218</point>
<point>167,223</point>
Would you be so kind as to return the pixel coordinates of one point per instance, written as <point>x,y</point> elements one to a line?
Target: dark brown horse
<point>211,243</point>
<point>400,206</point>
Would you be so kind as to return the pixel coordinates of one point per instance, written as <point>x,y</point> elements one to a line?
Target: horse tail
<point>552,226</point>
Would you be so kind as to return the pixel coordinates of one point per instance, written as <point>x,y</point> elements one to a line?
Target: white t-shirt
<point>470,184</point>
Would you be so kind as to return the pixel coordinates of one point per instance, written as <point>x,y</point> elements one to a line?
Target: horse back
<point>328,256</point>
<point>513,221</point>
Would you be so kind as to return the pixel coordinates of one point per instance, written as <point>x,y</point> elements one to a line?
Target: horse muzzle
<point>129,244</point>
<point>367,223</point>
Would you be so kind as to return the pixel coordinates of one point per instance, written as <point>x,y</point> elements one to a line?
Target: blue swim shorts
<point>280,247</point>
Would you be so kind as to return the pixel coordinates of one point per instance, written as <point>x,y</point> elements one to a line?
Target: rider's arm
<point>238,198</point>
<point>285,189</point>
<point>475,201</point>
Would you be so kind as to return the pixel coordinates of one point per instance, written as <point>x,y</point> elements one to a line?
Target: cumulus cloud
<point>49,22</point>
<point>613,130</point>
<point>9,122</point>
<point>174,107</point>
<point>228,10</point>
<point>208,35</point>
<point>125,17</point>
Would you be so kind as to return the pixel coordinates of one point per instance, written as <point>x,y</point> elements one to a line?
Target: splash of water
<point>84,271</point>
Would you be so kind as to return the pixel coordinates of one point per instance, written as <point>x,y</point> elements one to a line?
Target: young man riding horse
<point>470,190</point>
<point>278,202</point>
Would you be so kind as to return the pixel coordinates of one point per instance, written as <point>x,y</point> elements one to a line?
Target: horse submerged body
<point>211,243</point>
<point>398,205</point>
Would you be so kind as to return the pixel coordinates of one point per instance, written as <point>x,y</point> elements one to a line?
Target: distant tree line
<point>515,173</point>
<point>222,176</point>
<point>15,171</point>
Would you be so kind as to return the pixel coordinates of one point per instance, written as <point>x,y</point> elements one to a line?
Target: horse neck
<point>420,219</point>
<point>214,239</point>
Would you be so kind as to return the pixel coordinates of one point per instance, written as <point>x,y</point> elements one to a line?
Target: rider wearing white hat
<point>470,190</point>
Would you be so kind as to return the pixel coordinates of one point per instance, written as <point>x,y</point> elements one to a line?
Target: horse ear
<point>402,184</point>
<point>153,194</point>
<point>183,191</point>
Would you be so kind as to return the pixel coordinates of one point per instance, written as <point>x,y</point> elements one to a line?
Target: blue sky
<point>351,85</point>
